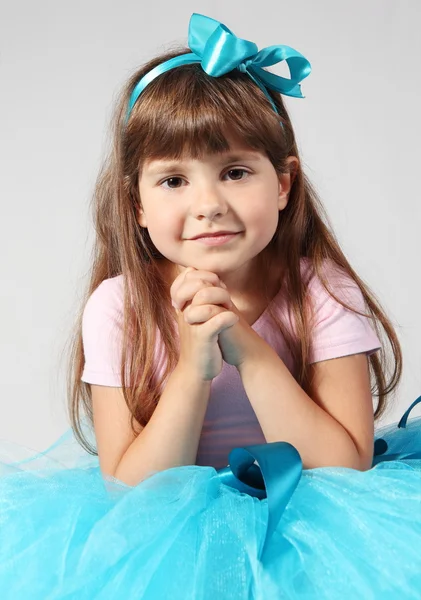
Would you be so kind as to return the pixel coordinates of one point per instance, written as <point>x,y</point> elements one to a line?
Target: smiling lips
<point>215,239</point>
<point>214,234</point>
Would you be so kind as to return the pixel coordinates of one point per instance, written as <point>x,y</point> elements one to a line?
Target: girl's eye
<point>237,171</point>
<point>172,179</point>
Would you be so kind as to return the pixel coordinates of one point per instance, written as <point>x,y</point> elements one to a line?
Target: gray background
<point>61,64</point>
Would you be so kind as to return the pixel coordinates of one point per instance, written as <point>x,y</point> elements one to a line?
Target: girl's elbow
<point>364,459</point>
<point>365,463</point>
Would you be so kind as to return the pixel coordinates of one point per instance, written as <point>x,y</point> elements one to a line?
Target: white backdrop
<point>61,64</point>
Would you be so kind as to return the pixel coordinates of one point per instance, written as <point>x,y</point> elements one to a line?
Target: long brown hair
<point>185,112</point>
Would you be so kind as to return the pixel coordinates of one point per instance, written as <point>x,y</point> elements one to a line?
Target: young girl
<point>225,361</point>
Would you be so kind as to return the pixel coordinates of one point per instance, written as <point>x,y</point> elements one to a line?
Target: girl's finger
<point>187,288</point>
<point>212,295</point>
<point>188,275</point>
<point>194,315</point>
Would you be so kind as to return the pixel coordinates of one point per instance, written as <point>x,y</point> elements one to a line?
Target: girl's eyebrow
<point>159,167</point>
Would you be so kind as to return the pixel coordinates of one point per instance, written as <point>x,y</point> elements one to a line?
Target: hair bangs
<point>185,113</point>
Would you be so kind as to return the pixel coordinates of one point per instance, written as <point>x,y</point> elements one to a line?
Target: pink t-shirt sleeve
<point>337,330</point>
<point>102,325</point>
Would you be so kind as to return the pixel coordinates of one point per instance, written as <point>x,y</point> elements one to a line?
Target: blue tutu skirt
<point>263,528</point>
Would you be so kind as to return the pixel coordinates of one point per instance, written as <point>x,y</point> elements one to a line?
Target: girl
<point>223,326</point>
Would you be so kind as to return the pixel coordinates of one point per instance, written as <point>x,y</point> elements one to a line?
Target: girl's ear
<point>286,180</point>
<point>141,218</point>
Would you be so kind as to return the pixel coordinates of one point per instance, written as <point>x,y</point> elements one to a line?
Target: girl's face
<point>238,191</point>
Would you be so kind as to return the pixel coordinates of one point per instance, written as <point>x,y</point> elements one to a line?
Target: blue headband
<point>219,51</point>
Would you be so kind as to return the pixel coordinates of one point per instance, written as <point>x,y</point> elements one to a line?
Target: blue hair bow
<point>219,51</point>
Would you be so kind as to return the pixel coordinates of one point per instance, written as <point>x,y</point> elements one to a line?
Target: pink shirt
<point>230,420</point>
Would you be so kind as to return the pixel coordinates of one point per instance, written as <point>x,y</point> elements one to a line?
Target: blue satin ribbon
<point>275,477</point>
<point>381,447</point>
<point>404,418</point>
<point>278,471</point>
<point>219,51</point>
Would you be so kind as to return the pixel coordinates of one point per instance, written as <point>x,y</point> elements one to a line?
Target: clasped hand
<point>210,326</point>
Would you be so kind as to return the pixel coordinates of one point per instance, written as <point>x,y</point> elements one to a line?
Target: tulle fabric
<point>183,534</point>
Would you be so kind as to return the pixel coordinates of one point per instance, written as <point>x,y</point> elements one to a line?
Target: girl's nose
<point>209,202</point>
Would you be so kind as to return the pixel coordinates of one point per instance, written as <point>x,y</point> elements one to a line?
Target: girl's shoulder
<point>106,300</point>
<point>328,269</point>
<point>329,273</point>
<point>102,326</point>
<point>340,323</point>
<point>111,288</point>
<point>330,286</point>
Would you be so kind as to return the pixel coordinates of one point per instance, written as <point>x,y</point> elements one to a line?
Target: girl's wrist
<point>259,354</point>
<point>192,375</point>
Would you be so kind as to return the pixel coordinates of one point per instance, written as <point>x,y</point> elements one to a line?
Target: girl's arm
<point>332,426</point>
<point>170,439</point>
